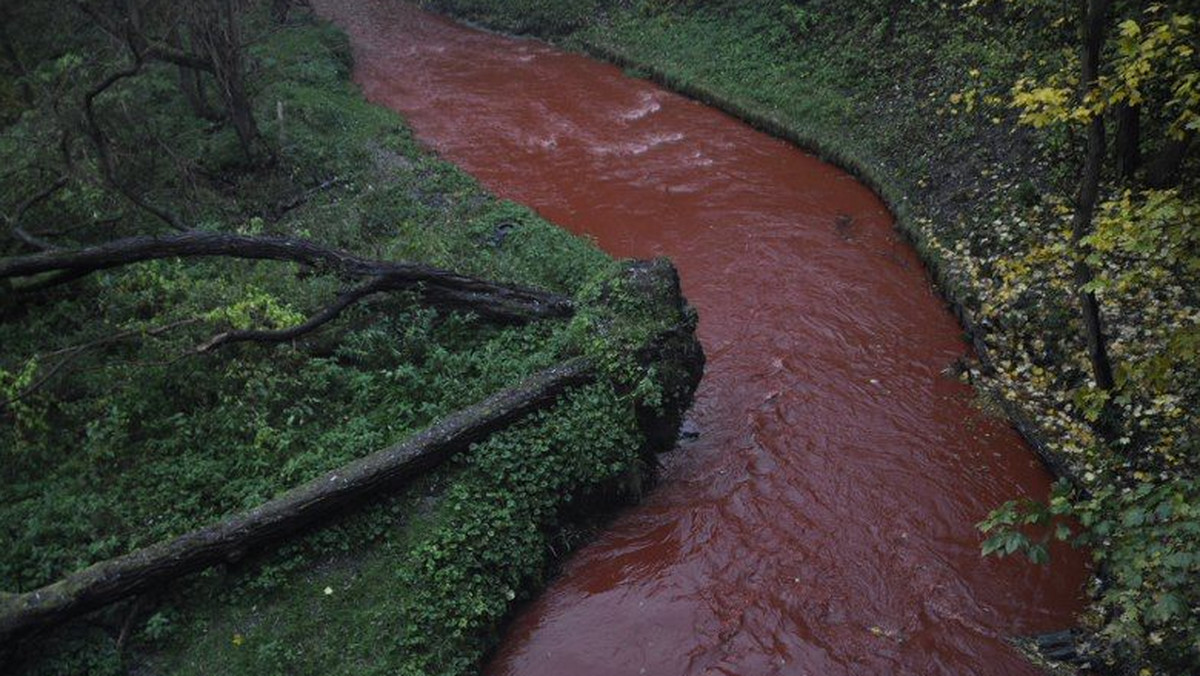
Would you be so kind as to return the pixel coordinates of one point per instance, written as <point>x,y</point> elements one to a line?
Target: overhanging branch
<point>324,316</point>
<point>442,288</point>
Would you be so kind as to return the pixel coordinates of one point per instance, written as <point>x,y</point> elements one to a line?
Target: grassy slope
<point>135,446</point>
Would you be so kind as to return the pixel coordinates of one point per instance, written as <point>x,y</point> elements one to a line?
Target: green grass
<point>144,458</point>
<point>524,16</point>
<point>422,592</point>
<point>837,84</point>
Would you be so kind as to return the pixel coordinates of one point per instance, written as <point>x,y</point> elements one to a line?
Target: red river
<point>823,521</point>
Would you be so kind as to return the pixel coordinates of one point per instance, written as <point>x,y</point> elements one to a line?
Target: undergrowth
<point>424,589</point>
<point>115,435</point>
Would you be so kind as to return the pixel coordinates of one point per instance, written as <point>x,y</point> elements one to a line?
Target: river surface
<point>823,521</point>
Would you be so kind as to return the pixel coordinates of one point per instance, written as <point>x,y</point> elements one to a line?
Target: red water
<point>822,523</point>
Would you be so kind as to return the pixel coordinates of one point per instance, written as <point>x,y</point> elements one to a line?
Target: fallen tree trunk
<point>446,289</point>
<point>124,576</point>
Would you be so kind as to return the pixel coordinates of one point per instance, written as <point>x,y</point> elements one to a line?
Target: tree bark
<point>1129,139</point>
<point>108,169</point>
<point>216,30</point>
<point>229,540</point>
<point>442,288</point>
<point>673,350</point>
<point>1089,189</point>
<point>280,10</point>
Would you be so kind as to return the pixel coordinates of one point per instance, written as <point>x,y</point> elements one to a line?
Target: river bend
<point>823,521</point>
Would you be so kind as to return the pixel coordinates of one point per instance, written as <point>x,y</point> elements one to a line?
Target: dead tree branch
<point>326,315</point>
<point>69,354</point>
<point>442,288</point>
<point>104,155</point>
<point>14,221</point>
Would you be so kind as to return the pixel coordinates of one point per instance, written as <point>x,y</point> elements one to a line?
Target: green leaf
<point>1061,532</point>
<point>1168,607</point>
<point>1134,517</point>
<point>1038,554</point>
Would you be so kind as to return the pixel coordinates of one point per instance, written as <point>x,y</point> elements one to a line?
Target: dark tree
<point>200,37</point>
<point>1085,206</point>
<point>215,28</point>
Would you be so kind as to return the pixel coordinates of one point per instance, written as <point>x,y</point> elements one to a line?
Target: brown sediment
<point>823,520</point>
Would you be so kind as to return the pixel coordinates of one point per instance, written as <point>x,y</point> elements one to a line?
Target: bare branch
<point>100,141</point>
<point>69,354</point>
<point>443,288</point>
<point>15,219</point>
<point>326,315</point>
<point>39,197</point>
<point>68,229</point>
<point>277,211</point>
<point>162,52</point>
<point>144,47</point>
<point>31,240</point>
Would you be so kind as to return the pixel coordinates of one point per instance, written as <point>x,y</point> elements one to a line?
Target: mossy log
<point>673,351</point>
<point>114,579</point>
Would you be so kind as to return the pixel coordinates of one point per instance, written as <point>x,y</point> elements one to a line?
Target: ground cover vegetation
<point>1042,157</point>
<point>224,274</point>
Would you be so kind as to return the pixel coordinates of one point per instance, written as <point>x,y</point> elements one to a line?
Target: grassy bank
<point>116,435</point>
<point>915,99</point>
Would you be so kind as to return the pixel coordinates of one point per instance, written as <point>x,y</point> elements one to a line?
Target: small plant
<point>1145,537</point>
<point>158,627</point>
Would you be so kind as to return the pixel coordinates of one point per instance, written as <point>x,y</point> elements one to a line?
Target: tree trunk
<point>216,30</point>
<point>440,288</point>
<point>228,62</point>
<point>191,83</point>
<point>1164,168</point>
<point>280,10</point>
<point>14,58</point>
<point>673,350</point>
<point>1129,139</point>
<point>229,540</point>
<point>241,114</point>
<point>1089,189</point>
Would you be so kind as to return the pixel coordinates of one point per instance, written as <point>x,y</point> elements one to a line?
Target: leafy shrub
<point>1145,537</point>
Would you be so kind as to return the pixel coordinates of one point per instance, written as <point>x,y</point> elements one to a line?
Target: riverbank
<point>913,100</point>
<point>163,440</point>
